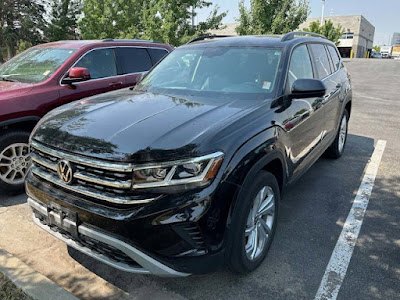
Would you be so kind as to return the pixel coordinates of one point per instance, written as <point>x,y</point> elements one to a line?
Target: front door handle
<point>115,83</point>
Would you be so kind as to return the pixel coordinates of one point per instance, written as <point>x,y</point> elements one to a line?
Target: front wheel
<point>253,223</point>
<point>14,161</point>
<point>337,148</point>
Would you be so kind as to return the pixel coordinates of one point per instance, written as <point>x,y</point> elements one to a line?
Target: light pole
<point>323,11</point>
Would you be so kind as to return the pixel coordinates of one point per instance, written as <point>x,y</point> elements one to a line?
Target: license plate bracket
<point>63,218</point>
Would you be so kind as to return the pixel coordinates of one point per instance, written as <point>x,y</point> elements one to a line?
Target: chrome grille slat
<point>92,178</point>
<point>48,176</point>
<point>84,160</point>
<point>117,184</point>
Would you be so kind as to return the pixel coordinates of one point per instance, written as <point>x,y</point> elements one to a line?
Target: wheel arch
<point>348,107</point>
<point>24,123</point>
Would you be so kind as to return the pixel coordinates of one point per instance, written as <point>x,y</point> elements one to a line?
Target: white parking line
<point>341,255</point>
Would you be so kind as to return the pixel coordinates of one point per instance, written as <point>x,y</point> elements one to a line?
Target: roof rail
<point>291,35</point>
<point>205,37</point>
<point>128,40</point>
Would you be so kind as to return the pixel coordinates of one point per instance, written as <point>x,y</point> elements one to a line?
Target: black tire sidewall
<point>237,259</point>
<point>12,137</point>
<point>333,150</point>
<point>340,152</point>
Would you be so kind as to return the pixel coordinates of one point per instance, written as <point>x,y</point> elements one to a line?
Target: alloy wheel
<point>260,222</point>
<point>342,133</point>
<point>14,163</point>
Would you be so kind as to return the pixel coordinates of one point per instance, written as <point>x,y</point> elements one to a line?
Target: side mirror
<point>76,75</point>
<point>307,88</point>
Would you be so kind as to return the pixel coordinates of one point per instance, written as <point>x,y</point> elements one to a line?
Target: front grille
<point>92,244</point>
<point>92,178</point>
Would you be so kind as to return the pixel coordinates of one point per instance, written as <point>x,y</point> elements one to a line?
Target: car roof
<point>255,41</point>
<point>77,44</point>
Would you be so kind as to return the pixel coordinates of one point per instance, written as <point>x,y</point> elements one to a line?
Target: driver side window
<point>100,63</point>
<point>300,65</point>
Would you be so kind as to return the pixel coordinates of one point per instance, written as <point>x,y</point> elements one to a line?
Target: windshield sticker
<point>266,85</point>
<point>47,72</point>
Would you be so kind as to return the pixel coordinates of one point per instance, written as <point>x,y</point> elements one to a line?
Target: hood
<point>8,88</point>
<point>134,126</point>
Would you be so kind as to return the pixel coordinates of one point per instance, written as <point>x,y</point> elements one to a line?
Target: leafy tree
<point>21,19</point>
<point>110,19</point>
<point>328,30</point>
<point>162,20</point>
<point>377,49</point>
<point>271,17</point>
<point>63,22</point>
<point>168,21</point>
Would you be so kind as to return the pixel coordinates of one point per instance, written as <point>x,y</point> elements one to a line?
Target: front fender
<point>254,155</point>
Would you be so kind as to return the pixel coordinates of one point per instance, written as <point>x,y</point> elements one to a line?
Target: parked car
<point>185,173</point>
<point>49,75</point>
<point>377,55</point>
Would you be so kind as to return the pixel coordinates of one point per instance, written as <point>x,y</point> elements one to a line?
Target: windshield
<point>34,65</point>
<point>244,72</point>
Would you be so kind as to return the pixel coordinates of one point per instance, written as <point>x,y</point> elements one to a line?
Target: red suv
<point>49,75</point>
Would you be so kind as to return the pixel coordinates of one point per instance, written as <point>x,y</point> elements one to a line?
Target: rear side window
<point>300,65</point>
<point>157,54</point>
<point>321,60</point>
<point>335,57</point>
<point>100,63</point>
<point>133,60</point>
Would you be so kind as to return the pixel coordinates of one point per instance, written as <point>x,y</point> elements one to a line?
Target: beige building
<point>358,34</point>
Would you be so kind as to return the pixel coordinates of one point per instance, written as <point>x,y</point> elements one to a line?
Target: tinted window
<point>100,63</point>
<point>321,60</point>
<point>300,65</point>
<point>335,57</point>
<point>133,60</point>
<point>157,54</point>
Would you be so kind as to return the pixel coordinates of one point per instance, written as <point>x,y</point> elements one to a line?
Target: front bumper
<point>145,263</point>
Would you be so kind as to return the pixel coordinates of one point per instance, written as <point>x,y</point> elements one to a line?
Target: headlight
<point>196,170</point>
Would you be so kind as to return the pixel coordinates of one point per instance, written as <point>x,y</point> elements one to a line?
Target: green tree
<point>328,30</point>
<point>63,21</point>
<point>377,49</point>
<point>162,20</point>
<point>169,21</point>
<point>110,19</point>
<point>271,17</point>
<point>21,20</point>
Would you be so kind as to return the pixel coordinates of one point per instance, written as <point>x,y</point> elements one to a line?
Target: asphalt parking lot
<point>312,215</point>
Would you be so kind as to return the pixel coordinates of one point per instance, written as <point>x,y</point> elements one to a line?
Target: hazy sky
<point>383,14</point>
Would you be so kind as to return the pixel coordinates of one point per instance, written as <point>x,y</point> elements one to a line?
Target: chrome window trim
<point>109,77</point>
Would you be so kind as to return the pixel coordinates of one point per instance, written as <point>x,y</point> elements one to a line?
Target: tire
<point>336,149</point>
<point>13,163</point>
<point>239,254</point>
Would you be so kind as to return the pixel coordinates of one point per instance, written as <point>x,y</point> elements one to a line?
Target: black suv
<point>184,173</point>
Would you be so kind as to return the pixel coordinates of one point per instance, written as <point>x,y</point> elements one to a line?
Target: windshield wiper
<point>7,79</point>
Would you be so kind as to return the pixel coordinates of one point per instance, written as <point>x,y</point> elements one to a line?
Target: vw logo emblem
<point>64,171</point>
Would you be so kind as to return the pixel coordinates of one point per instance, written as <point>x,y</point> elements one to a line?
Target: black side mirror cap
<point>307,88</point>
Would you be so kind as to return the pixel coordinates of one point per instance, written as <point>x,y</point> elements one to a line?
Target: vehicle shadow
<point>312,213</point>
<point>7,199</point>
